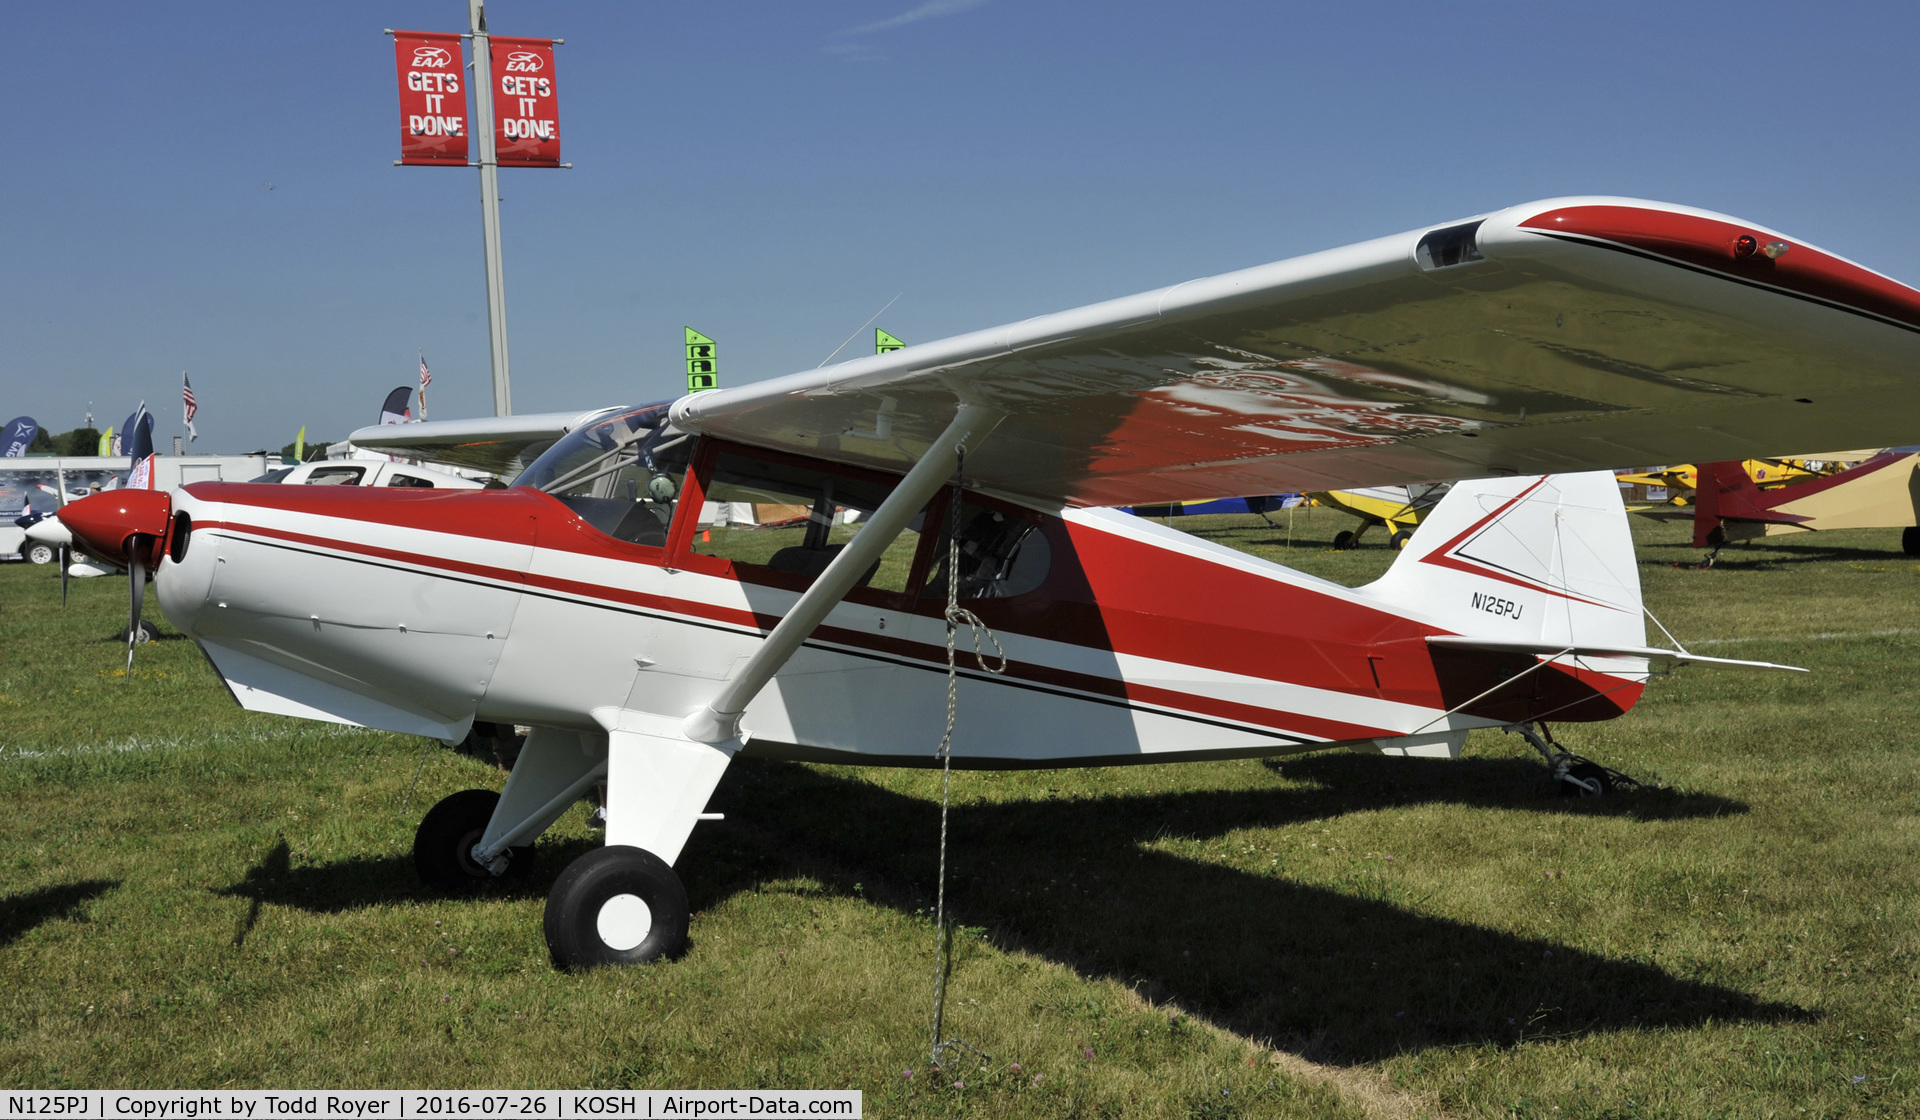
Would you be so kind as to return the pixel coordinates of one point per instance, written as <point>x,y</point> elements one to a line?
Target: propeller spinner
<point>126,527</point>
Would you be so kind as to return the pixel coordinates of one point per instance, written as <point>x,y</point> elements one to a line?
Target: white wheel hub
<point>624,922</point>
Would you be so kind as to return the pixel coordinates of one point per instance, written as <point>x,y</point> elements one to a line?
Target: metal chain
<point>943,935</point>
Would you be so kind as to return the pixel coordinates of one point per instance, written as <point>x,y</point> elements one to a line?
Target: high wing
<point>498,444</point>
<point>1566,335</point>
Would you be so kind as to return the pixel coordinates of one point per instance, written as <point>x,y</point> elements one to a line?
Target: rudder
<point>1545,558</point>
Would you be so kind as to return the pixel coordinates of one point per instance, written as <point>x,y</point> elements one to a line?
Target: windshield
<point>621,472</point>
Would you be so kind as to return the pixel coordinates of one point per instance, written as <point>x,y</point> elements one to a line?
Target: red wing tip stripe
<point>1715,246</point>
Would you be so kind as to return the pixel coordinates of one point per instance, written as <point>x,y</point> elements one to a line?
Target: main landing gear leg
<point>1573,775</point>
<point>477,836</point>
<point>623,904</point>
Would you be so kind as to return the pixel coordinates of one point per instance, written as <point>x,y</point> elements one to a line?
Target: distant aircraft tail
<point>1545,559</point>
<point>1722,490</point>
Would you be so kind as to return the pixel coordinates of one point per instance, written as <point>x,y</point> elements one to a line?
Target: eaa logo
<point>431,56</point>
<point>525,62</point>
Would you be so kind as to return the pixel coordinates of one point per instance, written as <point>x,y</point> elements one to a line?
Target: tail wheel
<point>443,844</point>
<point>1343,540</point>
<point>616,905</point>
<point>1399,540</point>
<point>1594,780</point>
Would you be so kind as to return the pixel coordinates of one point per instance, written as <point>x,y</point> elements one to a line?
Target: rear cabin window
<point>412,480</point>
<point>783,517</point>
<point>1002,555</point>
<point>336,476</point>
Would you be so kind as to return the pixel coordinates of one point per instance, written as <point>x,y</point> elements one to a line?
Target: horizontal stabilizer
<point>1553,649</point>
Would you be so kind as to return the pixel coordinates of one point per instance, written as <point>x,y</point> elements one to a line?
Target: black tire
<point>148,632</point>
<point>1910,540</point>
<point>1399,540</point>
<point>1587,772</point>
<point>618,875</point>
<point>1343,540</point>
<point>39,552</point>
<point>443,844</point>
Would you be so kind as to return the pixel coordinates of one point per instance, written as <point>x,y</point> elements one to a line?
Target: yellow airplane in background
<point>1767,474</point>
<point>1399,508</point>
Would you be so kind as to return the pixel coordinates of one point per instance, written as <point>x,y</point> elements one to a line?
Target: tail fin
<point>1722,490</point>
<point>1543,558</point>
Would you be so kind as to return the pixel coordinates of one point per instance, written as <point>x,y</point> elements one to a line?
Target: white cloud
<point>931,9</point>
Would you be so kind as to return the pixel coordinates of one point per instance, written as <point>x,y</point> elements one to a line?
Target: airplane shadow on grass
<point>22,912</point>
<point>352,884</point>
<point>1338,975</point>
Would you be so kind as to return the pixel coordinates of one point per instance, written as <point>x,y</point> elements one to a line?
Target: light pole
<point>490,206</point>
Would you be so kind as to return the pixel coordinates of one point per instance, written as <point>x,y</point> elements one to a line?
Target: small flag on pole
<point>426,379</point>
<point>187,401</point>
<point>394,409</point>
<point>884,343</point>
<point>300,445</point>
<point>702,373</point>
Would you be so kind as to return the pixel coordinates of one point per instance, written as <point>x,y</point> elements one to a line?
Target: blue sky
<point>210,187</point>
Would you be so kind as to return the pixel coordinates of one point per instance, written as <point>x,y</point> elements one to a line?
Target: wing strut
<point>718,721</point>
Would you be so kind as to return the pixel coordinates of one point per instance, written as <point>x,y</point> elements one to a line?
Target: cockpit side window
<point>621,473</point>
<point>769,513</point>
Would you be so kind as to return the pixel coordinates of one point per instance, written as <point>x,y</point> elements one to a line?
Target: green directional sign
<point>702,373</point>
<point>884,343</point>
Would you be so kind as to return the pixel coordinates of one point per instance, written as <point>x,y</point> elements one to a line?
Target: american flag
<point>426,379</point>
<point>193,409</point>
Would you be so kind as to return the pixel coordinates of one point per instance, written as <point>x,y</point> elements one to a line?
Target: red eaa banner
<point>526,106</point>
<point>433,103</point>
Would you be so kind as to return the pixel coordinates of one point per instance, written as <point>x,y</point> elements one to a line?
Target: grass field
<point>196,896</point>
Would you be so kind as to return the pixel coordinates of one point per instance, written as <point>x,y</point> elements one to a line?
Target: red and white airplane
<point>627,599</point>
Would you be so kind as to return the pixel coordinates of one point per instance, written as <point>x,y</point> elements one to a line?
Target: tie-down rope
<point>943,935</point>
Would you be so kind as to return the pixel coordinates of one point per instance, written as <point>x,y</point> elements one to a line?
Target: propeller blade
<point>66,558</point>
<point>136,593</point>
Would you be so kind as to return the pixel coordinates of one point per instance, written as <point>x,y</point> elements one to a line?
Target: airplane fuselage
<point>421,612</point>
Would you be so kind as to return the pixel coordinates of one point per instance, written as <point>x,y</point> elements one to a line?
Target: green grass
<point>198,896</point>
